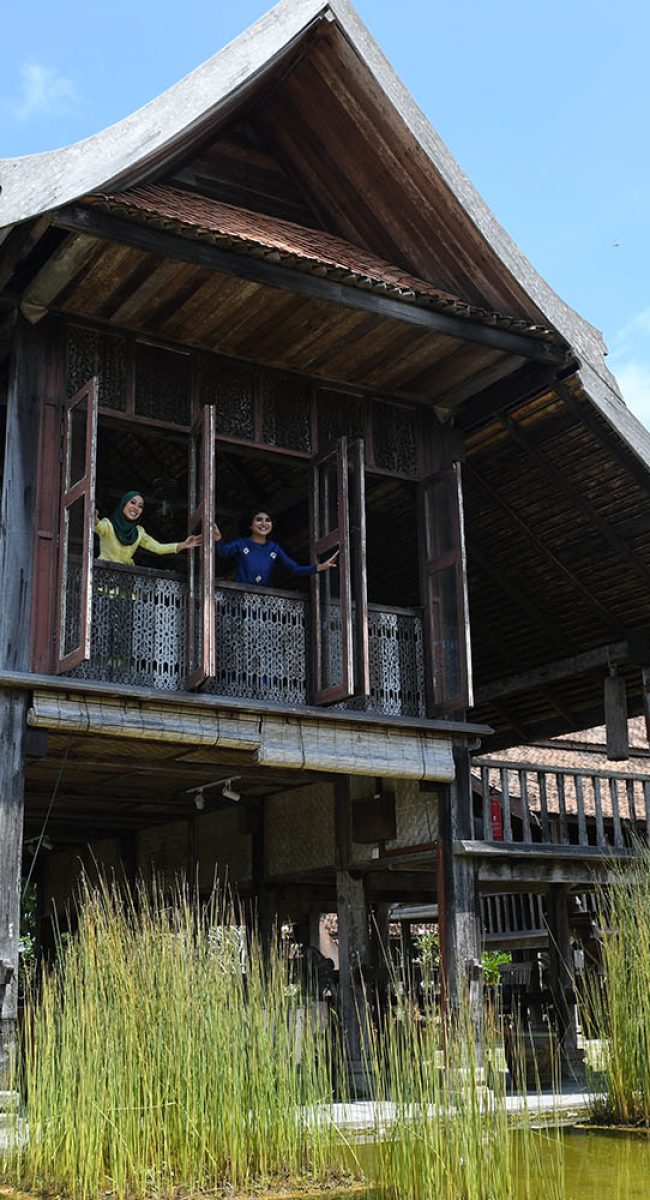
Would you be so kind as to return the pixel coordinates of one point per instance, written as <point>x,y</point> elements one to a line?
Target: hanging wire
<point>46,818</point>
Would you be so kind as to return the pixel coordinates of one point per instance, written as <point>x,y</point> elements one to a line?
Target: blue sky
<point>546,107</point>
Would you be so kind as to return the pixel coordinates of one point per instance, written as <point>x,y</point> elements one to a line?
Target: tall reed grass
<point>153,1063</point>
<point>160,1058</point>
<point>618,1003</point>
<point>451,1137</point>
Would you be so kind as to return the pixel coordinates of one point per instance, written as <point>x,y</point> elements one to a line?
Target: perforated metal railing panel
<point>139,638</point>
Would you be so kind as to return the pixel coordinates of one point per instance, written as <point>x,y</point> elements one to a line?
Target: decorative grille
<point>261,646</point>
<point>339,415</point>
<point>138,629</point>
<point>396,663</point>
<point>163,385</point>
<point>91,352</point>
<point>138,638</point>
<point>286,412</point>
<point>394,438</point>
<point>231,389</point>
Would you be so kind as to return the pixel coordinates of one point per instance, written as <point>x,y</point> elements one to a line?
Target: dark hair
<point>252,512</point>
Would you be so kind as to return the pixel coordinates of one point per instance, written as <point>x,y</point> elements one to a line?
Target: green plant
<point>617,1002</point>
<point>491,962</point>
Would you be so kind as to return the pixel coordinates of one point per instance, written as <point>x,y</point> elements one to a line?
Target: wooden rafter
<point>76,218</point>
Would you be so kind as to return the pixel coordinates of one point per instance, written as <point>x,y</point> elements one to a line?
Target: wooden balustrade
<point>523,803</point>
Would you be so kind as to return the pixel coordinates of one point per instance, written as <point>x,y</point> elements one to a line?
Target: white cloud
<point>630,362</point>
<point>634,381</point>
<point>42,89</point>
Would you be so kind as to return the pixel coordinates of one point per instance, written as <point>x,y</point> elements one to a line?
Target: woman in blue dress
<point>258,556</point>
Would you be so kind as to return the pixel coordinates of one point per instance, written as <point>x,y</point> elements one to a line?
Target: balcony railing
<point>565,806</point>
<point>139,623</point>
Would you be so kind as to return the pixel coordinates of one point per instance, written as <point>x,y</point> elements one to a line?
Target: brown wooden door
<point>339,609</point>
<point>444,592</point>
<point>75,579</point>
<point>201,601</point>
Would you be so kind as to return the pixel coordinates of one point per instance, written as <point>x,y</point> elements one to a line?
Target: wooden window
<point>446,620</point>
<point>339,598</point>
<point>201,609</point>
<point>73,627</point>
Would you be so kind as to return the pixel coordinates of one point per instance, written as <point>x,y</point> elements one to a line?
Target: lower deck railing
<point>567,806</point>
<point>139,620</point>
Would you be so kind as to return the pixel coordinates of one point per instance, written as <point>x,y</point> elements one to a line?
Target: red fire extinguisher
<point>496,817</point>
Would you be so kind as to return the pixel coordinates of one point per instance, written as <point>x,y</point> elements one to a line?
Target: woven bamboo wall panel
<point>224,852</point>
<point>299,830</point>
<point>62,870</point>
<point>417,815</point>
<point>164,851</point>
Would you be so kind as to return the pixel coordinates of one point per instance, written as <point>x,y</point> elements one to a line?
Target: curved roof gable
<point>458,244</point>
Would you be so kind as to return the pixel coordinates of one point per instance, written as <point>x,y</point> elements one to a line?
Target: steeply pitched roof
<point>144,144</point>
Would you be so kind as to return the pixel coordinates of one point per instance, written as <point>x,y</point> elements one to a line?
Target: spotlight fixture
<point>229,792</point>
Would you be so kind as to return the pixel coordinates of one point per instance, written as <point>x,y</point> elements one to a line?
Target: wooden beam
<point>548,468</point>
<point>458,898</point>
<point>514,593</point>
<point>143,237</point>
<point>545,551</point>
<point>535,379</point>
<point>566,668</point>
<point>12,790</point>
<point>606,435</point>
<point>19,244</point>
<point>59,269</point>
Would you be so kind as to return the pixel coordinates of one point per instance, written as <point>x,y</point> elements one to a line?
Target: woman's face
<point>133,508</point>
<point>261,524</point>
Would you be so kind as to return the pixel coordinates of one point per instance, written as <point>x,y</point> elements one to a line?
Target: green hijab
<point>126,531</point>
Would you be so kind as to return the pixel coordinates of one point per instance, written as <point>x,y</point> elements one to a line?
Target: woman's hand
<point>217,534</point>
<point>195,539</point>
<point>329,563</point>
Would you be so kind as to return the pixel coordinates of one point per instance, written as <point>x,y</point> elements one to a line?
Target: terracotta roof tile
<point>583,751</point>
<point>312,250</point>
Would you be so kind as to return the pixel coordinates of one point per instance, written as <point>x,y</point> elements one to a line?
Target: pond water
<point>599,1165</point>
<point>604,1165</point>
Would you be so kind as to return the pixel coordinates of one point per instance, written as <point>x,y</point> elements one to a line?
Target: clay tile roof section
<point>311,250</point>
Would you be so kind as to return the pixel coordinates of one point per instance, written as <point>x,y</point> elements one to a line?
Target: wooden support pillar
<point>265,912</point>
<point>560,978</point>
<point>17,532</point>
<point>458,897</point>
<point>354,944</point>
<point>381,947</point>
<point>12,790</point>
<point>615,704</point>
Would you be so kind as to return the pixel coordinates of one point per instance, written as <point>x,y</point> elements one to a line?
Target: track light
<point>229,792</point>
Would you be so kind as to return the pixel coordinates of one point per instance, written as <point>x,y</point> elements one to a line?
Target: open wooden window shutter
<point>339,609</point>
<point>74,609</point>
<point>201,601</point>
<point>444,592</point>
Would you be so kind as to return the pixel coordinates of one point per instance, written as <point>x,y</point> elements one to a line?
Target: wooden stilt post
<point>615,704</point>
<point>561,979</point>
<point>458,898</point>
<point>354,944</point>
<point>17,529</point>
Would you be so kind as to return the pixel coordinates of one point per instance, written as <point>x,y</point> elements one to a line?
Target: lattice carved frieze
<point>91,352</point>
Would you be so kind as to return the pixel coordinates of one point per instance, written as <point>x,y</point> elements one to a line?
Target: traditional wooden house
<point>273,286</point>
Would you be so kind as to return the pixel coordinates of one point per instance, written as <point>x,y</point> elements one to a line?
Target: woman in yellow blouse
<point>120,535</point>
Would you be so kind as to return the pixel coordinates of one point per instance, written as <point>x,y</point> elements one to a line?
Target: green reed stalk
<point>154,1065</point>
<point>452,1138</point>
<point>618,1003</point>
